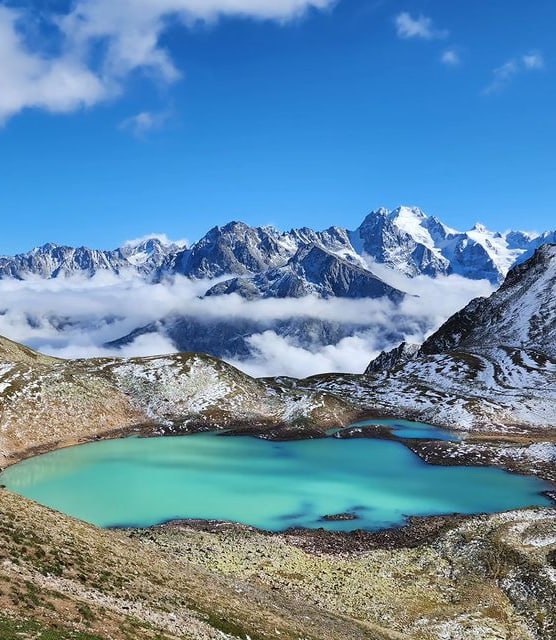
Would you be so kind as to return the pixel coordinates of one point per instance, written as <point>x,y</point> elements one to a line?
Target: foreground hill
<point>45,402</point>
<point>484,578</point>
<point>491,366</point>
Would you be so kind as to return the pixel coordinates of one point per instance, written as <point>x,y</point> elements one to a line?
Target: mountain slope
<point>401,240</point>
<point>491,366</point>
<point>64,579</point>
<point>522,313</point>
<point>69,399</point>
<point>231,337</point>
<point>235,248</point>
<point>311,271</point>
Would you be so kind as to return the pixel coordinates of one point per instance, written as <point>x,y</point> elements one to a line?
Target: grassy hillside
<point>46,402</point>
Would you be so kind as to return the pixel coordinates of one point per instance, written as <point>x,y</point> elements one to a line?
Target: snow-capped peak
<point>496,246</point>
<point>404,239</point>
<point>153,239</point>
<point>410,220</point>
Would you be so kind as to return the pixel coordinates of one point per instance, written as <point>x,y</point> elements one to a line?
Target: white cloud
<point>533,60</point>
<point>420,27</point>
<point>504,74</point>
<point>162,237</point>
<point>75,317</point>
<point>29,79</point>
<point>450,57</point>
<point>100,42</point>
<point>142,123</point>
<point>275,355</point>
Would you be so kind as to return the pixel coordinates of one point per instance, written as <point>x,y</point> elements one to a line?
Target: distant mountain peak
<point>312,270</point>
<point>408,211</point>
<point>404,239</point>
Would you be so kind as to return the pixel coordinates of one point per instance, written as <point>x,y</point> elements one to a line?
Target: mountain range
<point>404,239</point>
<point>490,367</point>
<point>258,263</point>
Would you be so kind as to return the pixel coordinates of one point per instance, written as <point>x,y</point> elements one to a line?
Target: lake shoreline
<point>414,531</point>
<point>474,449</point>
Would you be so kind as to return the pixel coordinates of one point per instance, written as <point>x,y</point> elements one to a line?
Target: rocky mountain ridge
<point>56,261</point>
<point>311,271</point>
<point>404,239</point>
<point>491,365</point>
<point>69,400</point>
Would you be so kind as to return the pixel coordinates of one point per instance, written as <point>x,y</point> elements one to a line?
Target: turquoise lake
<point>405,429</point>
<point>139,482</point>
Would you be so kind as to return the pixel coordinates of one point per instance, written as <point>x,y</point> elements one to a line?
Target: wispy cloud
<point>161,237</point>
<point>99,43</point>
<point>533,60</point>
<point>505,73</point>
<point>75,317</point>
<point>450,57</point>
<point>420,27</point>
<point>144,122</point>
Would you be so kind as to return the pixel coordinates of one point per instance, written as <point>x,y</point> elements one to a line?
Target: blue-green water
<point>407,429</point>
<point>141,482</point>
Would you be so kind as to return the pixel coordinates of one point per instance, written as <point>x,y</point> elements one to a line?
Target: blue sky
<point>119,122</point>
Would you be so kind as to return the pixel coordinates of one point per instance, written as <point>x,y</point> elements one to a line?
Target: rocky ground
<point>61,574</point>
<point>480,578</point>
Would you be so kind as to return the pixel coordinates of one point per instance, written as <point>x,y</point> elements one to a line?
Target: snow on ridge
<point>405,239</point>
<point>496,245</point>
<point>410,219</point>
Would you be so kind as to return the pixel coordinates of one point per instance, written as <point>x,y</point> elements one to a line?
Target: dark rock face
<point>471,260</point>
<point>389,359</point>
<point>234,248</point>
<point>312,271</point>
<point>521,314</point>
<point>227,338</point>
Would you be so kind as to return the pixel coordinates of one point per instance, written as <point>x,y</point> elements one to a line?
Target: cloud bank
<point>75,317</point>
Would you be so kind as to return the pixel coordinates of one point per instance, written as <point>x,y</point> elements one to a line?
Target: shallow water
<point>408,429</point>
<point>271,485</point>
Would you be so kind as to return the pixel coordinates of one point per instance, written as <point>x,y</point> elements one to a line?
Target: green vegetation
<point>18,629</point>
